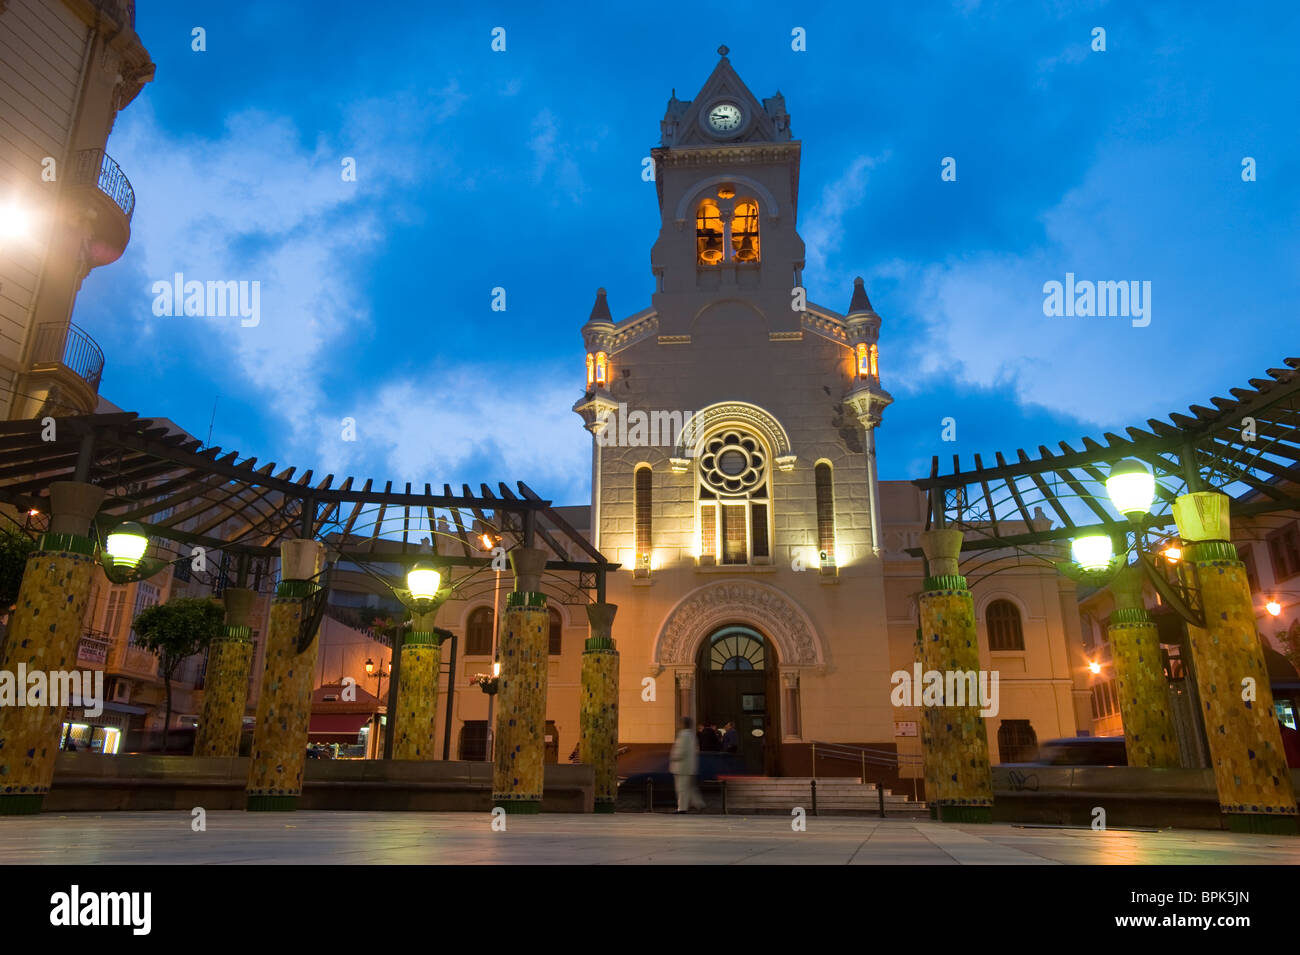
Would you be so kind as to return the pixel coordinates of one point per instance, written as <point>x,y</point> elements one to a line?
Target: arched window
<point>478,632</point>
<point>733,495</point>
<point>875,366</point>
<point>602,369</point>
<point>1017,742</point>
<point>744,231</point>
<point>727,232</point>
<point>736,649</point>
<point>1003,619</point>
<point>557,627</point>
<point>825,514</point>
<point>643,501</point>
<point>591,369</point>
<point>708,233</point>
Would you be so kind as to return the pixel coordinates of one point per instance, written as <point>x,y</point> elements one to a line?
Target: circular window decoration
<point>732,463</point>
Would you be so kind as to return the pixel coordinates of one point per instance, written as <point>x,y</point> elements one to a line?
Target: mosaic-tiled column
<point>1149,736</point>
<point>1250,770</point>
<point>417,690</point>
<point>44,631</point>
<point>284,705</point>
<point>521,697</point>
<point>598,714</point>
<point>225,683</point>
<point>954,737</point>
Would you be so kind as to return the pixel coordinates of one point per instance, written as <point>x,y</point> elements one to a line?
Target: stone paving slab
<point>342,838</point>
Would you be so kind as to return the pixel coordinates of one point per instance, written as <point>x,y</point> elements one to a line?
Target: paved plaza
<point>316,838</point>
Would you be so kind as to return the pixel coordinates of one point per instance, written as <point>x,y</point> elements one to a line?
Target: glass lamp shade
<point>126,545</point>
<point>423,582</point>
<point>1131,487</point>
<point>1093,552</point>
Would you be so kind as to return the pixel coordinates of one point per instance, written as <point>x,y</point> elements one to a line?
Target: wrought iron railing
<point>96,166</point>
<point>68,345</point>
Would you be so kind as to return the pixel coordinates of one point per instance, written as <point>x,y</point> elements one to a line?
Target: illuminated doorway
<point>737,670</point>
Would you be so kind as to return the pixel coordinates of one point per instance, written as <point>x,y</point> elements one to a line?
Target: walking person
<point>684,764</point>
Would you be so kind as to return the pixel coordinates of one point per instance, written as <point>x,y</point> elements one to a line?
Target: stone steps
<point>835,793</point>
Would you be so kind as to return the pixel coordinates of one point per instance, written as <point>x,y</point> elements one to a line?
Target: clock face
<point>725,118</point>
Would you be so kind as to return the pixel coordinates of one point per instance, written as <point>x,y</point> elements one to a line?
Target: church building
<point>765,580</point>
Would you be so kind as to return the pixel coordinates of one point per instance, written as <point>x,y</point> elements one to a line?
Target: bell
<point>711,253</point>
<point>748,251</point>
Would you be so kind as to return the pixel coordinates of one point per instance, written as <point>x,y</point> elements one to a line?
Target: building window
<point>557,627</point>
<point>1246,554</point>
<point>1003,619</point>
<point>734,498</point>
<point>643,502</point>
<point>473,740</point>
<point>602,369</point>
<point>744,231</point>
<point>1104,703</point>
<point>732,238</point>
<point>591,369</point>
<point>736,650</point>
<point>875,363</point>
<point>146,596</point>
<point>1017,742</point>
<point>708,233</point>
<point>1284,551</point>
<point>478,632</point>
<point>825,514</point>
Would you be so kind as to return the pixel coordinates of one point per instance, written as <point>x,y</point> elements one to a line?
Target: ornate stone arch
<point>735,412</point>
<point>686,205</point>
<point>747,602</point>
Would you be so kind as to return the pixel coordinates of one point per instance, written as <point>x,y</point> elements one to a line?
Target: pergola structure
<point>1239,458</point>
<point>1247,443</point>
<point>93,473</point>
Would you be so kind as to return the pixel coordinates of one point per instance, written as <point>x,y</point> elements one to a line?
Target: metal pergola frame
<point>1247,446</point>
<point>162,478</point>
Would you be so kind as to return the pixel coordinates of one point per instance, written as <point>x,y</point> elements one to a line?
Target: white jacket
<point>684,760</point>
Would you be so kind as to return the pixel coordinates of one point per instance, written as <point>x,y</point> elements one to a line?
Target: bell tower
<point>727,175</point>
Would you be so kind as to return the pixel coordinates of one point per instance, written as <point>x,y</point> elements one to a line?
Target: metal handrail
<point>96,166</point>
<point>70,346</point>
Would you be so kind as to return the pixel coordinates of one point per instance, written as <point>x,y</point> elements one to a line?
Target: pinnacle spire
<point>860,302</point>
<point>600,310</point>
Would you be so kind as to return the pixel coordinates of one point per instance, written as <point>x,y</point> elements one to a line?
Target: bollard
<point>880,792</point>
<point>813,782</point>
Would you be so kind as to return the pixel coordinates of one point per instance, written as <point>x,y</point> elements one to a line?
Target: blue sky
<point>521,169</point>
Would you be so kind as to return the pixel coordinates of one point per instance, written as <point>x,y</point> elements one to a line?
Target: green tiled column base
<point>21,804</point>
<point>603,805</point>
<point>519,807</point>
<point>272,803</point>
<point>971,814</point>
<point>1277,825</point>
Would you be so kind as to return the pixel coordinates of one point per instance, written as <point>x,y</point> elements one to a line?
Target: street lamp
<point>1131,488</point>
<point>1093,552</point>
<point>123,555</point>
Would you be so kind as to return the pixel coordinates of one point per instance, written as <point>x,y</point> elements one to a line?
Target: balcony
<point>110,203</point>
<point>68,349</point>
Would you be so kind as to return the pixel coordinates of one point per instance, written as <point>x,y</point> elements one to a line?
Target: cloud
<point>823,230</point>
<point>253,203</point>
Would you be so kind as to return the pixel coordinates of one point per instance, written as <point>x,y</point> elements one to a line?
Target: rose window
<point>732,462</point>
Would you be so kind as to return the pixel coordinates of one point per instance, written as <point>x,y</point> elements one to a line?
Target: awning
<point>336,725</point>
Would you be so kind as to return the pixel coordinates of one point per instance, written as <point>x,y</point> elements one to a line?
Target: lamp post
<point>413,709</point>
<point>379,677</point>
<point>1251,775</point>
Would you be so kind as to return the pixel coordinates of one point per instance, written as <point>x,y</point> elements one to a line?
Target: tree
<point>15,548</point>
<point>175,630</point>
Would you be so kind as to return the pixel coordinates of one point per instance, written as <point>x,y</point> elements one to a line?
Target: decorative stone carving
<point>715,605</point>
<point>737,413</point>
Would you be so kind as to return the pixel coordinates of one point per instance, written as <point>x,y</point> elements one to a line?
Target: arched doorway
<point>737,679</point>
